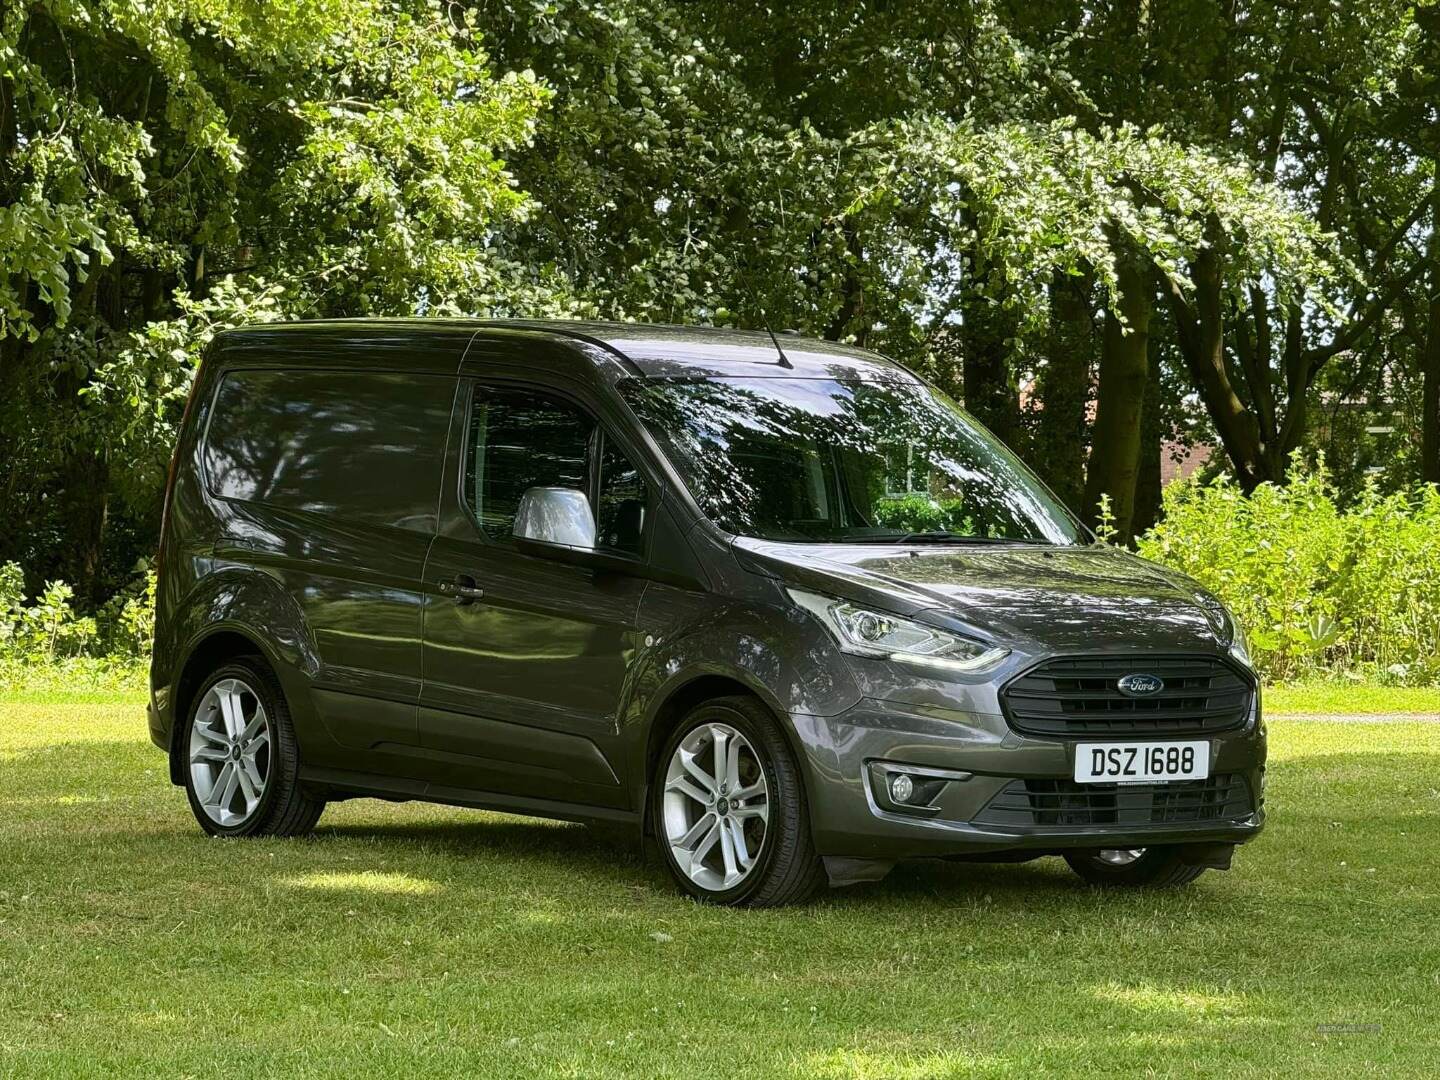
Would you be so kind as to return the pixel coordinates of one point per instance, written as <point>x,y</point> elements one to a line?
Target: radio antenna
<point>784,360</point>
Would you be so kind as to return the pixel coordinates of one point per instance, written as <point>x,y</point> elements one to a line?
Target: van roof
<point>649,349</point>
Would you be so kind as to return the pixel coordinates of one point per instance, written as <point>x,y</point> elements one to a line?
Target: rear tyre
<point>241,762</point>
<point>1152,867</point>
<point>729,811</point>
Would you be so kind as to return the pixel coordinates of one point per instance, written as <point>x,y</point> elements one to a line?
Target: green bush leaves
<point>48,629</point>
<point>1319,586</point>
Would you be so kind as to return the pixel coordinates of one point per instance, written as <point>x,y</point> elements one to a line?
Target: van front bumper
<point>1001,792</point>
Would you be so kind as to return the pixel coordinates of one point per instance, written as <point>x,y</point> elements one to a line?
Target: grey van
<point>776,603</point>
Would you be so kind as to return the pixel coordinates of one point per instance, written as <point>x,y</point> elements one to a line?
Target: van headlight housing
<point>1227,628</point>
<point>863,631</point>
<point>1240,644</point>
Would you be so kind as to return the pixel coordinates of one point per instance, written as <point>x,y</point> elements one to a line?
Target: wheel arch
<point>684,693</point>
<point>232,611</point>
<point>218,645</point>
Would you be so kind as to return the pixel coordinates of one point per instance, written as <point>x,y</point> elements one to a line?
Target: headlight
<point>1227,628</point>
<point>1239,643</point>
<point>866,632</point>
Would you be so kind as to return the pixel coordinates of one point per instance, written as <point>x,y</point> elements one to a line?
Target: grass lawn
<point>1330,697</point>
<point>409,939</point>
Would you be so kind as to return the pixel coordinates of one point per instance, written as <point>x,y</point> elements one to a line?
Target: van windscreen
<point>833,461</point>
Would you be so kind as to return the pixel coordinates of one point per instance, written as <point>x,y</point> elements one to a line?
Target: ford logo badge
<point>1140,685</point>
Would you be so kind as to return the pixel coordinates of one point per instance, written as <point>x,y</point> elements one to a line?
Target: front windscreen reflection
<point>836,461</point>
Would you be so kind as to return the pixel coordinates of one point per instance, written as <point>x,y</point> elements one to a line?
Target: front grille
<point>1080,696</point>
<point>1060,804</point>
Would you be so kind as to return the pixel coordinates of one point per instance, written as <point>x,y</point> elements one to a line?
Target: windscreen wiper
<point>940,537</point>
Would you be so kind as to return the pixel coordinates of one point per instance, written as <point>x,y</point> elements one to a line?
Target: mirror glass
<point>555,515</point>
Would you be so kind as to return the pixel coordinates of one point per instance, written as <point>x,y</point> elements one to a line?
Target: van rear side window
<point>366,446</point>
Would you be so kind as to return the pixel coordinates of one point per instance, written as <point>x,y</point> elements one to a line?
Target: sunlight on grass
<point>1161,1000</point>
<point>1298,740</point>
<point>54,800</point>
<point>159,1020</point>
<point>869,1065</point>
<point>373,881</point>
<point>1351,699</point>
<point>27,728</point>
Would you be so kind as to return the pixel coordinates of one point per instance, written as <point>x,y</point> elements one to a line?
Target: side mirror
<point>555,517</point>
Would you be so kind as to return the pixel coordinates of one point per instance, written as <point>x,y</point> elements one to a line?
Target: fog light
<point>901,788</point>
<point>912,791</point>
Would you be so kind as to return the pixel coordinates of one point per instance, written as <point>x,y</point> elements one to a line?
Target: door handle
<point>463,589</point>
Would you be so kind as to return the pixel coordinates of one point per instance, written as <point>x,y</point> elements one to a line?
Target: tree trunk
<point>1200,333</point>
<point>1062,391</point>
<point>85,509</point>
<point>849,318</point>
<point>1430,397</point>
<point>985,330</point>
<point>1124,369</point>
<point>990,396</point>
<point>1147,483</point>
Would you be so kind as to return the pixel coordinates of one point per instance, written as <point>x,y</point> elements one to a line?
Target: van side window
<point>620,514</point>
<point>366,446</point>
<point>526,438</point>
<point>521,439</point>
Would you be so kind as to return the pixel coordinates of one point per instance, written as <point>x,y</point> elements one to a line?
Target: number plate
<point>1141,762</point>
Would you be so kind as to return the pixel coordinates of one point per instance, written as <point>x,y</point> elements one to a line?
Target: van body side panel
<point>531,674</point>
<point>522,686</point>
<point>326,482</point>
<point>236,598</point>
<point>358,591</point>
<point>303,511</point>
<point>744,632</point>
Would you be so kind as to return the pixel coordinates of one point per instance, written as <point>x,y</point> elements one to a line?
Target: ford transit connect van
<point>781,606</point>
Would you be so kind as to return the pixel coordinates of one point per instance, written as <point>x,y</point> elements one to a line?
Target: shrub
<point>48,629</point>
<point>923,513</point>
<point>1391,591</point>
<point>1318,587</point>
<point>127,621</point>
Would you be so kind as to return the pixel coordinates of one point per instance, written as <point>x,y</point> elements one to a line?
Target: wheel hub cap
<point>1120,856</point>
<point>715,809</point>
<point>230,754</point>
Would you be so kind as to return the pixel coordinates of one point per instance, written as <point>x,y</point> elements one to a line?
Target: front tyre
<point>1152,867</point>
<point>241,761</point>
<point>729,811</point>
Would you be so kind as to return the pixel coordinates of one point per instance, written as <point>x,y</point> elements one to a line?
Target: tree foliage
<point>167,166</point>
<point>1206,220</point>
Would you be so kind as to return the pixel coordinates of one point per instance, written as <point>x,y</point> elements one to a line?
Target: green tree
<point>916,184</point>
<point>1157,206</point>
<point>1308,97</point>
<point>165,168</point>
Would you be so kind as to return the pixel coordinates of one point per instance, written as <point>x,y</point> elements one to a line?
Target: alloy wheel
<point>1119,856</point>
<point>230,752</point>
<point>716,807</point>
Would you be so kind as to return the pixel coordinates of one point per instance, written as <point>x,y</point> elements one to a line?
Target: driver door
<point>524,657</point>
